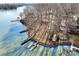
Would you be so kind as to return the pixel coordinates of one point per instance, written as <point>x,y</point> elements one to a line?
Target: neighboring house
<point>24,11</point>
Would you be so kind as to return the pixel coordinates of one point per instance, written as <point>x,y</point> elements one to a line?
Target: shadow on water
<point>12,39</point>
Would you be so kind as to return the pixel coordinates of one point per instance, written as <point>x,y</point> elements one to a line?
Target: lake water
<point>11,39</point>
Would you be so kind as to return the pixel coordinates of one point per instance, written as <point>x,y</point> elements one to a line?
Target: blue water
<point>11,39</point>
